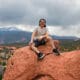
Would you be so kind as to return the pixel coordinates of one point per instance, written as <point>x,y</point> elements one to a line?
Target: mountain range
<point>15,35</point>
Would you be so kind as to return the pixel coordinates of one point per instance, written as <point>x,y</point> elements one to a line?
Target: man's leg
<point>34,48</point>
<point>48,38</point>
<point>39,54</point>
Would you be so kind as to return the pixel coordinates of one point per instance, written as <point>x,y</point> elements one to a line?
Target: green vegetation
<point>17,45</point>
<point>65,45</point>
<point>0,77</point>
<point>69,45</point>
<point>3,64</point>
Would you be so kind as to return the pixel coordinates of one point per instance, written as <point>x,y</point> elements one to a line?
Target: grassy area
<point>0,77</point>
<point>65,45</point>
<point>17,45</point>
<point>69,45</point>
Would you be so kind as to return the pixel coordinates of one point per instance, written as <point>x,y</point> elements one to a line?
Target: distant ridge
<point>15,35</point>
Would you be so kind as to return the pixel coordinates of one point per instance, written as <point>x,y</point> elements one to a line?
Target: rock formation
<point>24,65</point>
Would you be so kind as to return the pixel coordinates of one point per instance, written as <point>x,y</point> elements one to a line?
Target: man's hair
<point>43,20</point>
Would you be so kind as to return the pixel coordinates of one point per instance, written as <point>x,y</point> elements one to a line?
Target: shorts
<point>38,43</point>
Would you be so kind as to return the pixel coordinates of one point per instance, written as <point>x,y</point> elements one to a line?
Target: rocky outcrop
<point>24,65</point>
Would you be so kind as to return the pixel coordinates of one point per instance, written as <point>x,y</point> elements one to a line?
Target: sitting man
<point>39,37</point>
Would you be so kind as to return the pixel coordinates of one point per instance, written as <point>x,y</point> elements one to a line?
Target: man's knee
<point>57,43</point>
<point>49,38</point>
<point>32,45</point>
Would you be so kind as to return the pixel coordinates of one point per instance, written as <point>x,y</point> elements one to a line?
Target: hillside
<point>14,35</point>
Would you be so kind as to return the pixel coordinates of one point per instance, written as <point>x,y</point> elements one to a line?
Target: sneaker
<point>56,51</point>
<point>40,55</point>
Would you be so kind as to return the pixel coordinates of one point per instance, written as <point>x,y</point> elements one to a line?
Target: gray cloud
<point>57,12</point>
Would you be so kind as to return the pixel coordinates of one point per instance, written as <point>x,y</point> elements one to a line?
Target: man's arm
<point>45,35</point>
<point>32,37</point>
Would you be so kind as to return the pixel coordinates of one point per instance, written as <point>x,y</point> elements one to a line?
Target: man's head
<point>42,23</point>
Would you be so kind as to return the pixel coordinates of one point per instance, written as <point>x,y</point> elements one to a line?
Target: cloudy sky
<point>63,16</point>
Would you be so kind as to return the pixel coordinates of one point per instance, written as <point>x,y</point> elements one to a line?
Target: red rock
<point>23,65</point>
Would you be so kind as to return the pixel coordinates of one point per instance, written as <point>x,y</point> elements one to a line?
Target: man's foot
<point>40,55</point>
<point>56,51</point>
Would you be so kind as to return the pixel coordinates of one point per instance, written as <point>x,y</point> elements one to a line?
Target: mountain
<point>15,35</point>
<point>65,37</point>
<point>9,29</point>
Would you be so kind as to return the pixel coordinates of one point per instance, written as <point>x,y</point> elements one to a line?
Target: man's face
<point>42,23</point>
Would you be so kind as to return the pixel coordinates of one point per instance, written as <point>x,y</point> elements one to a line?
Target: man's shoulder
<point>36,28</point>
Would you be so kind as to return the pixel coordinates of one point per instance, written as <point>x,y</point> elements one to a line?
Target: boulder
<point>24,65</point>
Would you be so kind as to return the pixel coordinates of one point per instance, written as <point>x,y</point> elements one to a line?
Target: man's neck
<point>41,27</point>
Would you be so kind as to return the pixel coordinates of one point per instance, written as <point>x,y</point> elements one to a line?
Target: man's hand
<point>41,37</point>
<point>30,42</point>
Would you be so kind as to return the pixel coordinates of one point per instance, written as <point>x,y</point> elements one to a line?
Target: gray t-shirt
<point>40,32</point>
